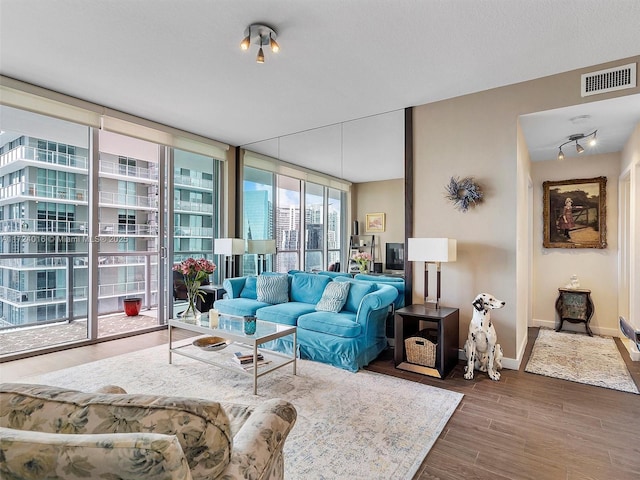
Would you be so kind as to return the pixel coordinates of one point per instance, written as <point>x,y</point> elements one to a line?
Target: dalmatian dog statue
<point>481,348</point>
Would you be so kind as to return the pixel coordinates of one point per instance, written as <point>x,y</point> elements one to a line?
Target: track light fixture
<point>574,138</point>
<point>261,35</point>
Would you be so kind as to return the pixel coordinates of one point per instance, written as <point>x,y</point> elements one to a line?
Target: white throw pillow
<point>273,289</point>
<point>334,297</point>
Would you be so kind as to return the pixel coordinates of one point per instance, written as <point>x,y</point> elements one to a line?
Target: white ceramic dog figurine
<point>482,350</point>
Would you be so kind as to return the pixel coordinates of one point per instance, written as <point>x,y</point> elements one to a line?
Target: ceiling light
<point>261,35</point>
<point>275,48</point>
<point>246,41</point>
<point>574,138</point>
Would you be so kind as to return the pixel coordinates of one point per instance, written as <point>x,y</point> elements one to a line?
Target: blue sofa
<point>349,339</point>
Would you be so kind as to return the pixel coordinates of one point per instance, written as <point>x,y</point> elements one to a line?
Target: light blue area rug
<point>357,426</point>
<point>580,358</point>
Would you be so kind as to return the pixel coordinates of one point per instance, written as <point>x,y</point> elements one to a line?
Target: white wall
<point>597,269</point>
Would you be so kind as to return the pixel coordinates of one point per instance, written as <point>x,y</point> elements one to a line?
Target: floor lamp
<point>261,248</point>
<point>431,251</point>
<point>229,247</point>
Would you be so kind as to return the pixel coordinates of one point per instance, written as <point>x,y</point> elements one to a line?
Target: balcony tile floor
<point>29,338</point>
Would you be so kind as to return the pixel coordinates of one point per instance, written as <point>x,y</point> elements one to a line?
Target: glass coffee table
<point>230,328</point>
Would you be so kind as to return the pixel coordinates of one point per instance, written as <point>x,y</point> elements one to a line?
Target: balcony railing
<point>140,229</point>
<point>41,191</point>
<point>193,207</point>
<point>128,170</point>
<point>40,296</point>
<point>24,152</point>
<point>193,232</point>
<point>186,181</point>
<point>29,225</point>
<point>21,306</point>
<point>125,200</point>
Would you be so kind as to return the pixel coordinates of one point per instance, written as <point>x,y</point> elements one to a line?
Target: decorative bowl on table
<point>211,344</point>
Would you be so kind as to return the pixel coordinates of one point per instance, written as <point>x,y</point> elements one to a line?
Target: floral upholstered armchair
<point>55,433</point>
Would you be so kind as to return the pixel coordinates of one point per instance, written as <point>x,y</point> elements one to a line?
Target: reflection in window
<point>321,222</point>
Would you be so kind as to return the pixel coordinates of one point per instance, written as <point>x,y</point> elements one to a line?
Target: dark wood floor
<point>525,426</point>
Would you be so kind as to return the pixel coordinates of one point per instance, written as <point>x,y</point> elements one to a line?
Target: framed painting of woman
<point>575,213</point>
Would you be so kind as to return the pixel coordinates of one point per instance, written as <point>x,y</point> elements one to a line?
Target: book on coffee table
<point>246,357</point>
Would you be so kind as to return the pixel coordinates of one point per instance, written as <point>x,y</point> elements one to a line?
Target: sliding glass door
<point>195,219</point>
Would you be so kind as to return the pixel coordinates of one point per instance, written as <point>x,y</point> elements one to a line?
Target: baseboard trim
<point>632,348</point>
<point>577,327</point>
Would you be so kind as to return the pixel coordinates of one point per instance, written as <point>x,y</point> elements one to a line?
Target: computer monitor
<point>394,257</point>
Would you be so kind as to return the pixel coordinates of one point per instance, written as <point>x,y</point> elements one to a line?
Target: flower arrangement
<point>463,193</point>
<point>362,259</point>
<point>194,272</point>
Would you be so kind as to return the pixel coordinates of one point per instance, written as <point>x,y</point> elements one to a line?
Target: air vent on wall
<point>609,80</point>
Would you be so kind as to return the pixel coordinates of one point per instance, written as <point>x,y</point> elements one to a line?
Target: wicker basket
<point>420,350</point>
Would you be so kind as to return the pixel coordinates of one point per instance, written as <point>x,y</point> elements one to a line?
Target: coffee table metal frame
<point>231,327</point>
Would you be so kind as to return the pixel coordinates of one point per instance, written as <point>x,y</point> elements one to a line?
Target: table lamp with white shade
<point>262,248</point>
<point>229,247</point>
<point>431,251</point>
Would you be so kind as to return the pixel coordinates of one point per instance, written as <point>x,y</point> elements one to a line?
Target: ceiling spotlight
<point>275,48</point>
<point>246,41</point>
<point>574,138</point>
<point>261,35</point>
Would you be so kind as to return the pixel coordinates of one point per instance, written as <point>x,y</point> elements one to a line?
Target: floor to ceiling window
<point>43,228</point>
<point>128,188</point>
<point>196,217</point>
<point>272,208</point>
<point>314,222</point>
<point>67,218</point>
<point>258,222</point>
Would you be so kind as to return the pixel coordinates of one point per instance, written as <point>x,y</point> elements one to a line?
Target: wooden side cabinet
<point>413,318</point>
<point>575,306</point>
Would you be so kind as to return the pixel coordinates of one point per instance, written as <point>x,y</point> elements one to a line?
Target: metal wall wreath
<point>463,193</point>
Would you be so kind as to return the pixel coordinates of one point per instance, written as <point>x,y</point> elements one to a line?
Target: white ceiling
<point>179,63</point>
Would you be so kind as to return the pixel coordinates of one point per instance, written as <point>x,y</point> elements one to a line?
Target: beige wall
<point>387,197</point>
<point>476,135</point>
<point>597,269</point>
<point>629,301</point>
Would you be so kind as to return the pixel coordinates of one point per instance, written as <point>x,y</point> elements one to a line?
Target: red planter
<point>132,306</point>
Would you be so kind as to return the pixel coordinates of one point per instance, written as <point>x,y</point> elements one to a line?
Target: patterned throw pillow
<point>334,297</point>
<point>273,289</point>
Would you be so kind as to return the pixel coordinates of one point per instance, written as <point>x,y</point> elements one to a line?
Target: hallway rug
<point>579,358</point>
<point>361,425</point>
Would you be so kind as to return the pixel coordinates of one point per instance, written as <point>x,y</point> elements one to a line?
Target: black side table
<point>575,305</point>
<point>408,320</point>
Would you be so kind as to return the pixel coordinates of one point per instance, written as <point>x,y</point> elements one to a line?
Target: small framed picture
<point>575,213</point>
<point>374,222</point>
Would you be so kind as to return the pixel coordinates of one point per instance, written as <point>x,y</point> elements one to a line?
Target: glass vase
<point>191,314</point>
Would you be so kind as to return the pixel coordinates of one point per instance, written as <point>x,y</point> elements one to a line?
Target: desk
<point>575,305</point>
<point>407,323</point>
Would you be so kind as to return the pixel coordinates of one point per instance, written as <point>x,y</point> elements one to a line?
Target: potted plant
<point>132,306</point>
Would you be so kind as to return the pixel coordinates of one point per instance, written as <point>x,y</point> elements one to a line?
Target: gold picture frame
<point>375,222</point>
<point>575,213</point>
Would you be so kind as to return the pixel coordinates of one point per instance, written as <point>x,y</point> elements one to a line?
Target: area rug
<point>580,358</point>
<point>361,425</point>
